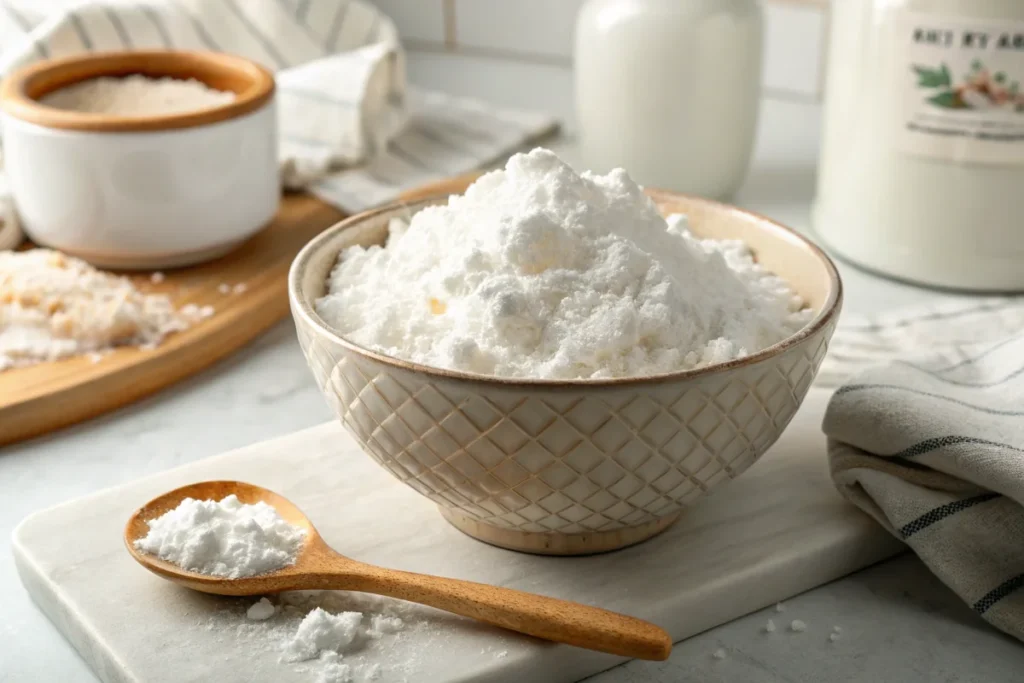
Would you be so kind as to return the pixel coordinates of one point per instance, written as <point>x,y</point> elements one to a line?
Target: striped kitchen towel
<point>933,449</point>
<point>351,130</point>
<point>952,330</point>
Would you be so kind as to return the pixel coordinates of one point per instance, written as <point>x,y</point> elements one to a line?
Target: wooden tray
<point>48,396</point>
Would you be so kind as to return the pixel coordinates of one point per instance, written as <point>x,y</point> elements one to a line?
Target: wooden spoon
<point>318,567</point>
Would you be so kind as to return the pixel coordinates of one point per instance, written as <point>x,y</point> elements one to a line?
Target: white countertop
<point>899,623</point>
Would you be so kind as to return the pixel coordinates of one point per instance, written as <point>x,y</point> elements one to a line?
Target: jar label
<point>961,93</point>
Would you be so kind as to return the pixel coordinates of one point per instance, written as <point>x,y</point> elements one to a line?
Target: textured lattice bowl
<point>569,467</point>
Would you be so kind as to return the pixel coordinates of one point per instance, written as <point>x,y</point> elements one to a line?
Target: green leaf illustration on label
<point>948,100</point>
<point>978,90</point>
<point>932,78</point>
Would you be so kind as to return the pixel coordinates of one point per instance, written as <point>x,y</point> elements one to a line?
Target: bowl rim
<point>303,308</point>
<point>21,90</point>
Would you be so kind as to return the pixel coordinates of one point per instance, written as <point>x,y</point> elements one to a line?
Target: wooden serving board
<point>40,398</point>
<point>776,531</point>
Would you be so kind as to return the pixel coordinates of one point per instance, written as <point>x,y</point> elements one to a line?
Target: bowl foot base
<point>586,543</point>
<point>152,261</point>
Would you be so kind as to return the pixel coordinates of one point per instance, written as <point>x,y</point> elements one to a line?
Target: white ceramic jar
<point>142,192</point>
<point>670,90</point>
<point>922,163</point>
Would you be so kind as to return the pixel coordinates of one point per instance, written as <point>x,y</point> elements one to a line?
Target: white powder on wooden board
<point>223,538</point>
<point>137,95</point>
<point>53,306</point>
<point>539,271</point>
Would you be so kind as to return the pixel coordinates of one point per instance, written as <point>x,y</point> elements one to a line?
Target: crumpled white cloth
<point>350,129</point>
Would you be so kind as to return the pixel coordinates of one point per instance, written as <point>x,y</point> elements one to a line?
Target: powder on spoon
<point>223,538</point>
<point>539,271</point>
<point>137,95</point>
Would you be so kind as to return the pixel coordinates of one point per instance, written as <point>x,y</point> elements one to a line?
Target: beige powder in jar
<point>137,95</point>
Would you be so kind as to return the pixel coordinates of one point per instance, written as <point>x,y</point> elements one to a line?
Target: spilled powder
<point>53,306</point>
<point>335,637</point>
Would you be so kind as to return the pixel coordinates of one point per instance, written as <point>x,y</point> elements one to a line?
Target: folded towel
<point>933,448</point>
<point>351,131</point>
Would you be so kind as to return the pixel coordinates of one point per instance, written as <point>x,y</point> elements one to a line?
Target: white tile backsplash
<point>794,36</point>
<point>541,28</point>
<point>418,20</point>
<point>532,30</point>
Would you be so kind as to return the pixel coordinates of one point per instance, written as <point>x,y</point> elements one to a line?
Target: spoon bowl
<point>318,567</point>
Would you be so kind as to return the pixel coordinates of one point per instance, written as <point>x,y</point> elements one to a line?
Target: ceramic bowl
<point>147,191</point>
<point>569,467</point>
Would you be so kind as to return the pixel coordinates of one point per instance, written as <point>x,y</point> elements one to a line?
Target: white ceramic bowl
<point>142,192</point>
<point>569,467</point>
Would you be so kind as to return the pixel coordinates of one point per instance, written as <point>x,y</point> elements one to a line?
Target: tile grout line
<point>450,24</point>
<point>826,39</point>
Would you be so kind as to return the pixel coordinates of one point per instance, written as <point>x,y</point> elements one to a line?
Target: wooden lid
<point>20,92</point>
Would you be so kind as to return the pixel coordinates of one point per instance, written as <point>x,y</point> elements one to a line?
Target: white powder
<point>779,607</point>
<point>769,627</point>
<point>538,271</point>
<point>322,631</point>
<point>157,277</point>
<point>260,611</point>
<point>53,306</point>
<point>719,653</point>
<point>223,538</point>
<point>797,626</point>
<point>382,623</point>
<point>833,637</point>
<point>137,95</point>
<point>333,636</point>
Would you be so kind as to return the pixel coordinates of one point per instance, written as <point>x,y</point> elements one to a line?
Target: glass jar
<point>922,161</point>
<point>670,90</point>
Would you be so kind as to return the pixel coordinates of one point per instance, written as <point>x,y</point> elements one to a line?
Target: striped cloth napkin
<point>351,131</point>
<point>956,328</point>
<point>932,446</point>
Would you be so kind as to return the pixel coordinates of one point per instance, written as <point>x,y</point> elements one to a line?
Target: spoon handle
<point>536,615</point>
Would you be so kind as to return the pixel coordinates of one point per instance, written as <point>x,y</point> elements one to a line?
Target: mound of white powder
<point>223,538</point>
<point>539,271</point>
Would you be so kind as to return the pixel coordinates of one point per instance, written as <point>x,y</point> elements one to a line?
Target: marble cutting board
<point>778,530</point>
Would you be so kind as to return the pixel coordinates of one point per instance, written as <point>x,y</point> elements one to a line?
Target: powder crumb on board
<point>833,637</point>
<point>719,653</point>
<point>156,278</point>
<point>779,607</point>
<point>53,306</point>
<point>837,629</point>
<point>240,288</point>
<point>797,626</point>
<point>137,95</point>
<point>322,631</point>
<point>392,619</point>
<point>94,357</point>
<point>264,609</point>
<point>769,627</point>
<point>502,654</point>
<point>647,295</point>
<point>334,670</point>
<point>224,288</point>
<point>223,538</point>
